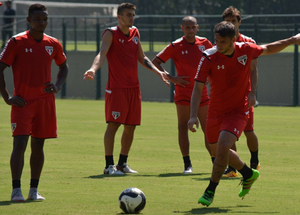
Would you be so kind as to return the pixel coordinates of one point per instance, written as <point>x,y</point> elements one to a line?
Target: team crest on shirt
<point>135,40</point>
<point>242,59</point>
<point>49,49</point>
<point>13,127</point>
<point>201,48</point>
<point>116,114</point>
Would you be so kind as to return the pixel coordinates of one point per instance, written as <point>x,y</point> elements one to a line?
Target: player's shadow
<point>103,176</point>
<point>208,178</point>
<point>214,210</point>
<point>5,203</point>
<point>165,175</point>
<point>181,174</point>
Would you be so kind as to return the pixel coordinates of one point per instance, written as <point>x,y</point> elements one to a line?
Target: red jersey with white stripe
<point>31,63</point>
<point>229,77</point>
<point>122,58</point>
<point>186,57</point>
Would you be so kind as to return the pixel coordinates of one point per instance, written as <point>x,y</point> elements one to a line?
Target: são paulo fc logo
<point>201,48</point>
<point>13,127</point>
<point>135,40</point>
<point>49,49</point>
<point>242,59</point>
<point>116,114</point>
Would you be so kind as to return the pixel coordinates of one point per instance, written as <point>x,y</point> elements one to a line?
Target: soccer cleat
<point>207,198</point>
<point>34,194</point>
<point>229,173</point>
<point>247,184</point>
<point>112,170</point>
<point>188,170</point>
<point>16,195</point>
<point>125,168</point>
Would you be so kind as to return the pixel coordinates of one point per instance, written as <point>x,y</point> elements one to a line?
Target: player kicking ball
<point>227,65</point>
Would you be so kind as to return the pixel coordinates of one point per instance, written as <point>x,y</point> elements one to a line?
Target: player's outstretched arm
<point>144,60</point>
<point>100,58</point>
<point>279,45</point>
<point>195,102</point>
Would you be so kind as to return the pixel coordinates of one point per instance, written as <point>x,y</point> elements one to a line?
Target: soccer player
<point>186,53</point>
<point>30,54</point>
<point>227,65</point>
<point>121,45</point>
<point>233,15</point>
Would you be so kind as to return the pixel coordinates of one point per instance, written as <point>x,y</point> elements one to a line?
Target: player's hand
<point>179,80</point>
<point>164,78</point>
<point>16,101</point>
<point>51,88</point>
<point>193,121</point>
<point>89,75</point>
<point>251,99</point>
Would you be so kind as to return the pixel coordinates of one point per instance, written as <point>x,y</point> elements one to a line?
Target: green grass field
<point>73,180</point>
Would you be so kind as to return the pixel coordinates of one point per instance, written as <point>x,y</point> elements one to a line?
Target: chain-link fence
<point>83,34</point>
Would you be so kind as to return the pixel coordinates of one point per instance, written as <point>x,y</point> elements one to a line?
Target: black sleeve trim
<point>161,60</point>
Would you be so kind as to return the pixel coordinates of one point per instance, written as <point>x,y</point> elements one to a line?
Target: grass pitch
<point>73,182</point>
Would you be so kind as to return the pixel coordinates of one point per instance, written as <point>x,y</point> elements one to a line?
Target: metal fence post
<point>64,41</point>
<point>296,73</point>
<point>75,33</point>
<point>151,48</point>
<point>98,74</point>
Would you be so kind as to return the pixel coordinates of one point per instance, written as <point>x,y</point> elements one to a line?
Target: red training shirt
<point>122,58</point>
<point>229,77</point>
<point>186,57</point>
<point>31,63</point>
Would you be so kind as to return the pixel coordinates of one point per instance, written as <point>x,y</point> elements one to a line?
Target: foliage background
<point>181,7</point>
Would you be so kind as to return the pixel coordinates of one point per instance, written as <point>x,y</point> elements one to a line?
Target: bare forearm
<point>3,89</point>
<point>62,75</point>
<point>149,65</point>
<point>195,100</point>
<point>277,46</point>
<point>97,63</point>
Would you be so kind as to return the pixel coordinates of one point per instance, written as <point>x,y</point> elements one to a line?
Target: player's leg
<point>126,142</point>
<point>183,115</point>
<point>202,115</point>
<point>127,139</point>
<point>132,119</point>
<point>17,164</point>
<point>109,137</point>
<point>115,116</point>
<point>252,140</point>
<point>231,172</point>
<point>225,142</point>
<point>36,164</point>
<point>109,141</point>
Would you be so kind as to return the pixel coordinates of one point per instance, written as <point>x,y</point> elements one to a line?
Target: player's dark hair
<point>34,7</point>
<point>231,11</point>
<point>225,29</point>
<point>124,6</point>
